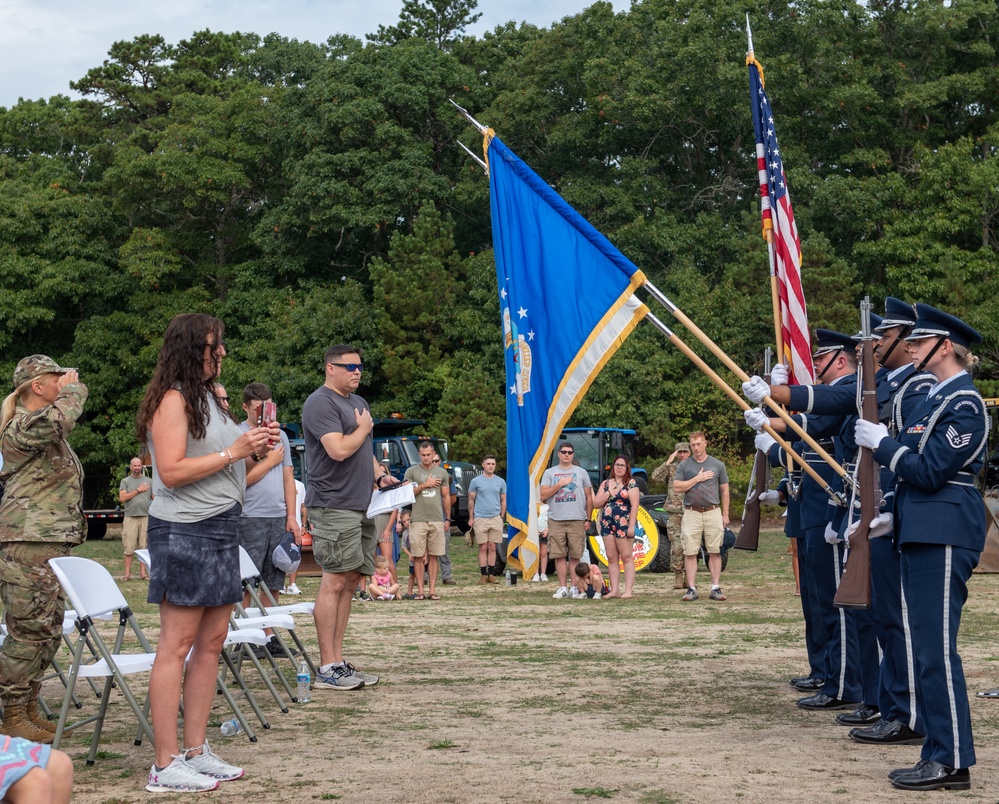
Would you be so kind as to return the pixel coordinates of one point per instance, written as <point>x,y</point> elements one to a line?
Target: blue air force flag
<point>567,304</point>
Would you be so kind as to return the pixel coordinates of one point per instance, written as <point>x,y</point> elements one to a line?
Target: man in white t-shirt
<point>569,493</point>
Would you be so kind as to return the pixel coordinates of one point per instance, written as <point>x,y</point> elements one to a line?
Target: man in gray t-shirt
<point>269,503</point>
<point>136,493</point>
<point>703,482</point>
<point>343,473</point>
<point>568,490</point>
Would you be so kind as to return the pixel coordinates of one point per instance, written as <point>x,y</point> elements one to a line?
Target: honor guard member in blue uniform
<point>823,523</point>
<point>939,522</point>
<point>889,686</point>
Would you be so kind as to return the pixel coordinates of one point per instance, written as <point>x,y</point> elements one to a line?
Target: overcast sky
<point>45,44</point>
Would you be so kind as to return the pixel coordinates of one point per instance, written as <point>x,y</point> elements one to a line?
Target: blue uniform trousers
<point>897,695</point>
<point>815,634</point>
<point>842,673</point>
<point>869,645</point>
<point>935,584</point>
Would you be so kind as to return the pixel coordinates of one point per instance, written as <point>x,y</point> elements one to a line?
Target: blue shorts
<point>195,563</point>
<point>17,757</point>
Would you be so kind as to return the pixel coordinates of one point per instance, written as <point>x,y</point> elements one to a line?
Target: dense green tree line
<point>314,193</point>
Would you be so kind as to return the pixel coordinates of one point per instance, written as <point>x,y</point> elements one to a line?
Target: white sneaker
<point>293,590</point>
<point>210,764</point>
<point>179,777</point>
<point>597,596</point>
<point>575,594</point>
<point>544,578</point>
<point>536,578</point>
<point>561,593</point>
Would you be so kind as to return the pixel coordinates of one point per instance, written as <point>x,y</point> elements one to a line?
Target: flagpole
<point>744,377</point>
<point>724,386</point>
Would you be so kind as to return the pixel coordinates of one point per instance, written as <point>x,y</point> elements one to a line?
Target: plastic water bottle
<point>231,727</point>
<point>508,577</point>
<point>304,682</point>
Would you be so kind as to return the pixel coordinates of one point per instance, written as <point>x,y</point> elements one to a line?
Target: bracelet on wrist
<point>256,458</point>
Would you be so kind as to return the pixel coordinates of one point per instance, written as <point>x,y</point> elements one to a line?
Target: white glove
<point>869,434</point>
<point>779,375</point>
<point>764,441</point>
<point>770,498</point>
<point>831,535</point>
<point>881,525</point>
<point>756,418</point>
<point>756,389</point>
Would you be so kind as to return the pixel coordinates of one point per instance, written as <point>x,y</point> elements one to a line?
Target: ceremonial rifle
<point>854,590</point>
<point>759,482</point>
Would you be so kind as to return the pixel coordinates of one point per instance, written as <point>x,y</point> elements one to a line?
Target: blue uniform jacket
<point>937,457</point>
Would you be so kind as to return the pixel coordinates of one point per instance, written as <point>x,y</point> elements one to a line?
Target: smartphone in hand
<point>268,413</point>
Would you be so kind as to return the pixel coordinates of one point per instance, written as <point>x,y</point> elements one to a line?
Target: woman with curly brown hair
<point>199,472</point>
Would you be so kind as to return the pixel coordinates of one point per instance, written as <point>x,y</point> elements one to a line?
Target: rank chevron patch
<point>955,439</point>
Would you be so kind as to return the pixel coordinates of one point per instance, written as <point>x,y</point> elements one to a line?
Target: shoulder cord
<point>934,417</point>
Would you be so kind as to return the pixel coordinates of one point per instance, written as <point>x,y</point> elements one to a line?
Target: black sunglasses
<point>565,452</point>
<point>351,367</point>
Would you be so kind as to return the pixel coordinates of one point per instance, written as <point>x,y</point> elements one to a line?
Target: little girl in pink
<point>382,587</point>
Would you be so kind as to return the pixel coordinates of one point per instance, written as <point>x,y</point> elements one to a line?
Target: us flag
<point>780,232</point>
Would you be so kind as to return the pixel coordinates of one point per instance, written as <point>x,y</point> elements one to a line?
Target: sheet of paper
<point>391,498</point>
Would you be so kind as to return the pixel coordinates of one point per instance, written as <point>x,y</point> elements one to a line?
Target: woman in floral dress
<point>618,496</point>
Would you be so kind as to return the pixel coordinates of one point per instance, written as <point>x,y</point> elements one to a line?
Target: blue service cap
<point>897,314</point>
<point>934,323</point>
<point>827,340</point>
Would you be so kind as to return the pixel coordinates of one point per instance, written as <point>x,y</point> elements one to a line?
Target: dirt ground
<point>504,694</point>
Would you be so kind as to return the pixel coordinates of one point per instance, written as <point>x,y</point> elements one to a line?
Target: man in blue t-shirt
<point>487,497</point>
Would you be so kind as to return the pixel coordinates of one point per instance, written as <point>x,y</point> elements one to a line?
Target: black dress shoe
<point>934,776</point>
<point>809,684</point>
<point>860,716</point>
<point>794,682</point>
<point>907,771</point>
<point>887,732</point>
<point>823,702</point>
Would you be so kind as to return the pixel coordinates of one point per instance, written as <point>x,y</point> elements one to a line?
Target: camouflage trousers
<point>33,604</point>
<point>675,543</point>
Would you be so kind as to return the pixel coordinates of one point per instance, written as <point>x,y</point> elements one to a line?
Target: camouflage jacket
<point>43,491</point>
<point>674,501</point>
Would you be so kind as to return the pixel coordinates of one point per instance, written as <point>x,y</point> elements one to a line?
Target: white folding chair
<point>92,592</point>
<point>242,638</point>
<point>252,585</point>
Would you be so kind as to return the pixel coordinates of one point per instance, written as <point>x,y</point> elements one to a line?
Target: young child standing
<point>589,581</point>
<point>382,587</point>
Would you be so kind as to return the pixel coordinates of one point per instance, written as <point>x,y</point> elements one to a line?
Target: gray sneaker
<point>691,594</point>
<point>339,678</point>
<point>717,594</point>
<point>369,679</point>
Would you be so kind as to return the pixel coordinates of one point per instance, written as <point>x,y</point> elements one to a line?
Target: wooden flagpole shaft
<point>743,377</point>
<point>742,403</point>
<point>775,299</point>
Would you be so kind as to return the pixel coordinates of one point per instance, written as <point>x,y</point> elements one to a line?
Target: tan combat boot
<point>483,580</point>
<point>679,579</point>
<point>16,723</point>
<point>36,716</point>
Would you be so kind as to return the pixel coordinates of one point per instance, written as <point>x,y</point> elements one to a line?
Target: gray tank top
<point>211,495</point>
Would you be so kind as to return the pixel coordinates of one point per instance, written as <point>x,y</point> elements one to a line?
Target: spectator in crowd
<point>383,586</point>
<point>199,459</point>
<point>446,572</point>
<point>269,507</point>
<point>41,517</point>
<point>136,493</point>
<point>703,482</point>
<point>569,493</point>
<point>302,520</point>
<point>487,499</point>
<point>589,582</point>
<point>618,495</point>
<point>33,773</point>
<point>343,472</point>
<point>426,530</point>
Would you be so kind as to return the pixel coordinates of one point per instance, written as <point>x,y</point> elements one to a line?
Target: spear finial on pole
<point>482,129</point>
<point>749,36</point>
